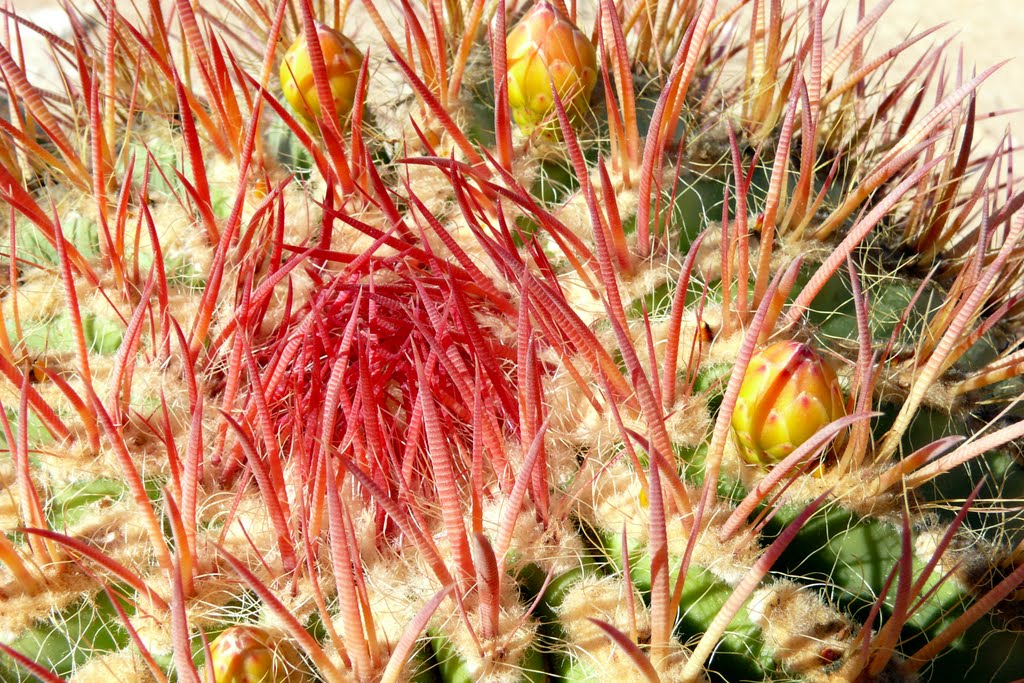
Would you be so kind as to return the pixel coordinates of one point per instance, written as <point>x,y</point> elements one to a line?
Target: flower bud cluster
<point>788,393</point>
<point>343,61</point>
<point>545,48</point>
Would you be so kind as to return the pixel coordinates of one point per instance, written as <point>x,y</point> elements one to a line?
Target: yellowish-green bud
<point>787,395</point>
<point>245,654</point>
<point>545,48</point>
<point>343,60</point>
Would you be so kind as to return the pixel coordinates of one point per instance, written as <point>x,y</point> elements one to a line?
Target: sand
<point>988,31</point>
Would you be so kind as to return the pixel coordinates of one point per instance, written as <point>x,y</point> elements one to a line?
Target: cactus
<point>707,368</point>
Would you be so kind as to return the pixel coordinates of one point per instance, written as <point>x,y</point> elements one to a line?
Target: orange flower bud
<point>244,654</point>
<point>343,60</point>
<point>545,48</point>
<point>787,395</point>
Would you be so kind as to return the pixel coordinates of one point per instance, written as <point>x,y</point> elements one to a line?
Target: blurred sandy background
<point>988,30</point>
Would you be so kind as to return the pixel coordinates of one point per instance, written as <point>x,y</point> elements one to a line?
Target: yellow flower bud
<point>788,393</point>
<point>244,654</point>
<point>545,48</point>
<point>343,60</point>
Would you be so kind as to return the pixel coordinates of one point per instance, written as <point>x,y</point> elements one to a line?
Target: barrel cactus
<point>653,341</point>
